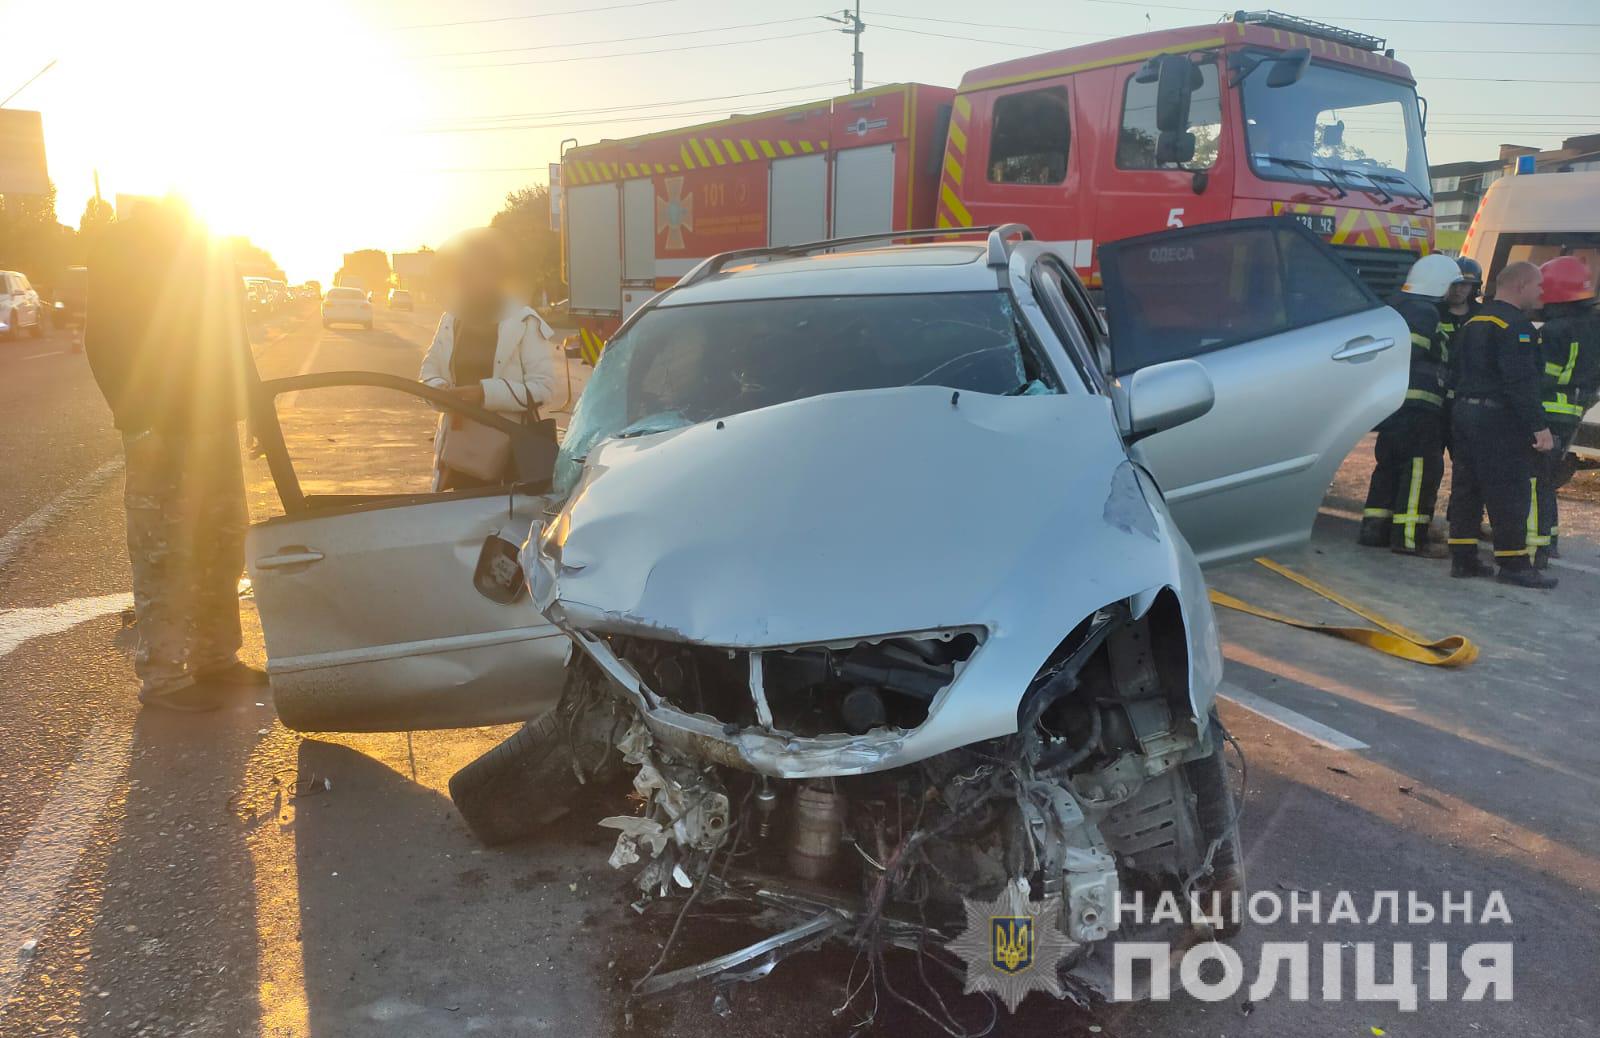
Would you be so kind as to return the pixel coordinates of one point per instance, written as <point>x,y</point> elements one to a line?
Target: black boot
<point>1424,546</point>
<point>1464,562</point>
<point>1541,558</point>
<point>1555,552</point>
<point>1375,531</point>
<point>1519,570</point>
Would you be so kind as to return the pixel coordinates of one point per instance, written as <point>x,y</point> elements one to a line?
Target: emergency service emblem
<point>674,213</point>
<point>1012,945</point>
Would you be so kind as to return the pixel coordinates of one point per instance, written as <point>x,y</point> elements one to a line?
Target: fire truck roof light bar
<point>1291,23</point>
<point>999,252</point>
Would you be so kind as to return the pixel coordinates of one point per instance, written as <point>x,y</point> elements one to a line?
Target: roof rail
<point>721,261</point>
<point>1292,23</point>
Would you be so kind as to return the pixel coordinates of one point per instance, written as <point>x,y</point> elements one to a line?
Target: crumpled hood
<point>852,515</point>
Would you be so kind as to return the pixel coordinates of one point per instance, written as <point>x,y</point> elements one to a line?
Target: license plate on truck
<point>1316,223</point>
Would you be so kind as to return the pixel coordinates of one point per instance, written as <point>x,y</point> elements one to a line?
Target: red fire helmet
<point>1567,279</point>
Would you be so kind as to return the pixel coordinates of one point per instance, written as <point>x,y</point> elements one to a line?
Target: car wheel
<point>37,330</point>
<point>1216,810</point>
<point>530,780</point>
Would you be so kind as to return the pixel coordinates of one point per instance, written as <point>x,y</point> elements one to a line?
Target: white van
<point>1537,217</point>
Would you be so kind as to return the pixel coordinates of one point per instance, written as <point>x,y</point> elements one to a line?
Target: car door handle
<point>1361,346</point>
<point>292,557</point>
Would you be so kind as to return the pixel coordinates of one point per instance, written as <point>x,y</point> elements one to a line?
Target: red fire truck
<point>1265,114</point>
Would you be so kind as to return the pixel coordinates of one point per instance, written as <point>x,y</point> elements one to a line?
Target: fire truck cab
<point>1264,115</point>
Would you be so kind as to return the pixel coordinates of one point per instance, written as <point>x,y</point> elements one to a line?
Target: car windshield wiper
<point>1396,178</point>
<point>1303,164</point>
<point>1382,192</point>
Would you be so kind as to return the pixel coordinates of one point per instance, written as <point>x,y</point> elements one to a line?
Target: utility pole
<point>853,25</point>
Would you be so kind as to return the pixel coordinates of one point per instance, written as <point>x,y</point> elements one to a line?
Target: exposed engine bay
<point>1109,787</point>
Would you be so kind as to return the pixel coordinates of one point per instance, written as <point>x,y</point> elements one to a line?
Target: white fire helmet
<point>1431,276</point>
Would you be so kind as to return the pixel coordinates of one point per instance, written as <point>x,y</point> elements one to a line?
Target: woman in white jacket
<point>489,349</point>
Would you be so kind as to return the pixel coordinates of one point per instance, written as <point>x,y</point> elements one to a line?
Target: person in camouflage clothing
<point>166,341</point>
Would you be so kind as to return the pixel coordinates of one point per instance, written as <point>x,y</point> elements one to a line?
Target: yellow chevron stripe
<point>952,168</point>
<point>731,149</point>
<point>699,152</point>
<point>952,203</point>
<point>749,149</point>
<point>958,139</point>
<point>766,150</point>
<point>786,147</point>
<point>715,152</point>
<point>941,220</point>
<point>683,155</point>
<point>963,108</point>
<point>806,147</point>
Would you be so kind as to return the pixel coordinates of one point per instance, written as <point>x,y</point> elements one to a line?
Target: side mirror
<point>1176,80</point>
<point>1174,147</point>
<point>1287,69</point>
<point>1165,396</point>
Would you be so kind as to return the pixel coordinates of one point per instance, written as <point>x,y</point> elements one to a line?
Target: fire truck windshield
<point>1343,129</point>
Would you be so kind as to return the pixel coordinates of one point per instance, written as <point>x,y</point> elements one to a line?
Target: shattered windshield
<point>680,365</point>
<point>1340,125</point>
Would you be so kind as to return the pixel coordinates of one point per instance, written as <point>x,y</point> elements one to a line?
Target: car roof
<point>890,270</point>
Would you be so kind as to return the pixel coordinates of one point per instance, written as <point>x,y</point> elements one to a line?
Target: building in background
<point>1458,187</point>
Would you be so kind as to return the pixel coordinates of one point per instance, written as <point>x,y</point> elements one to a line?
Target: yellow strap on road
<point>1393,640</point>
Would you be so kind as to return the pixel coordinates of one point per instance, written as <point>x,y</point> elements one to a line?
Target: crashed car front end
<point>907,646</point>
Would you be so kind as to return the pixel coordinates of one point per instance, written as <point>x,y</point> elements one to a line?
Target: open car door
<point>1304,358</point>
<point>365,583</point>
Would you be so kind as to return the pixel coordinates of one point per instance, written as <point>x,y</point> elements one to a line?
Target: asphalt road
<point>220,875</point>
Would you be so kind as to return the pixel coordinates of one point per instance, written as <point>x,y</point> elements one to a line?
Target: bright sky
<point>322,126</point>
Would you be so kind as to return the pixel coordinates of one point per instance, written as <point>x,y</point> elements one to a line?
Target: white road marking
<point>22,625</point>
<point>51,353</point>
<point>312,356</point>
<point>17,538</point>
<point>1293,720</point>
<point>43,866</point>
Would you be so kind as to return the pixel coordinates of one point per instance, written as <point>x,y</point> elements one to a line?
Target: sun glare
<point>275,122</point>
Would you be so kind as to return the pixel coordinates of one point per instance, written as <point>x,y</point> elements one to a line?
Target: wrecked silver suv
<point>882,566</point>
<point>857,539</point>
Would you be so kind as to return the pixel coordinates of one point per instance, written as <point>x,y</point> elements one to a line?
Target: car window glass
<point>1185,294</point>
<point>678,365</point>
<point>1049,283</point>
<point>1136,141</point>
<point>1030,138</point>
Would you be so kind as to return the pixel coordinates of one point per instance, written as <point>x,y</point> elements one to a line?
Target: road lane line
<point>51,353</point>
<point>22,625</point>
<point>17,538</point>
<point>43,866</point>
<point>1293,720</point>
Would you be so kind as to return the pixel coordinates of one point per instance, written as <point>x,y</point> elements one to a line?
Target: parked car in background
<point>346,306</point>
<point>400,299</point>
<point>20,309</point>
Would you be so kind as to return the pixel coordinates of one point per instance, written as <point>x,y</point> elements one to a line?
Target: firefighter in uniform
<point>1570,345</point>
<point>1410,448</point>
<point>1498,425</point>
<point>1460,304</point>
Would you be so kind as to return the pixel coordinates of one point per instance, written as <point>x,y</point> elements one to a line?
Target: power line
<point>541,14</point>
<point>597,122</point>
<point>638,53</point>
<point>983,25</point>
<point>614,39</point>
<point>654,104</point>
<point>963,39</point>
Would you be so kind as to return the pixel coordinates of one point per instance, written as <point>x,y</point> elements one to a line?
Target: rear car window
<point>680,365</point>
<point>346,294</point>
